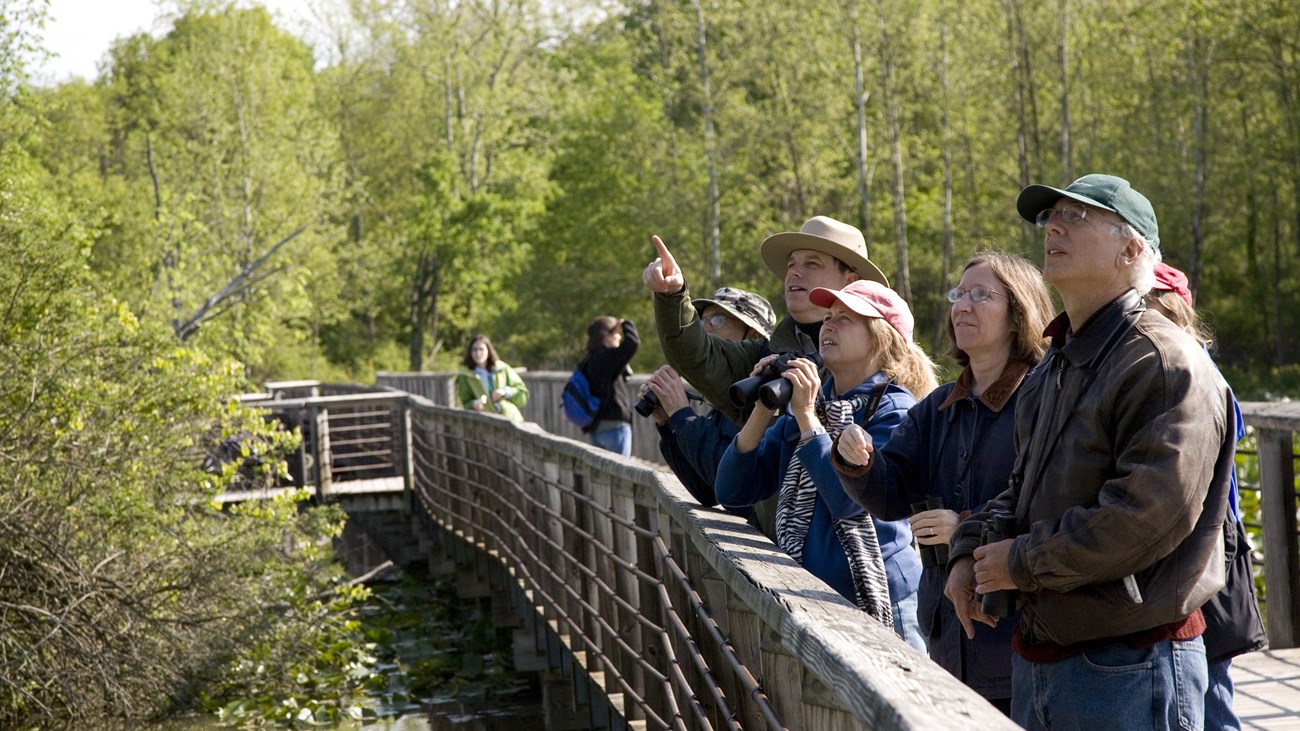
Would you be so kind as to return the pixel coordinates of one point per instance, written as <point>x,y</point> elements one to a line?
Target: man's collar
<point>1080,344</point>
<point>996,395</point>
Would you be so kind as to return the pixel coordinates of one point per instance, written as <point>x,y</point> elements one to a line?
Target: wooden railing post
<point>405,446</point>
<point>320,433</point>
<point>1281,562</point>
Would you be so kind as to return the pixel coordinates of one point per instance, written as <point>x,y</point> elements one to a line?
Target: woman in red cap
<point>876,372</point>
<point>1232,622</point>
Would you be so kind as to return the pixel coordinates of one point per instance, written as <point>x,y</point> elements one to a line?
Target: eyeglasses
<point>977,294</point>
<point>1070,213</point>
<point>715,321</point>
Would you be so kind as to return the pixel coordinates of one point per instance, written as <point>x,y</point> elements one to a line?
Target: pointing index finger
<point>669,263</point>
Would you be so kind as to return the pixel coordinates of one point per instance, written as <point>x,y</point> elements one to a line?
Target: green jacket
<point>469,388</point>
<point>710,363</point>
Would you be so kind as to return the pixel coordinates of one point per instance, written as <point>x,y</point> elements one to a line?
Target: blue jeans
<point>1219,715</point>
<point>906,624</point>
<point>1115,687</point>
<point>617,439</point>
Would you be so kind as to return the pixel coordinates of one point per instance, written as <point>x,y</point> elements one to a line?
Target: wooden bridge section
<point>640,608</point>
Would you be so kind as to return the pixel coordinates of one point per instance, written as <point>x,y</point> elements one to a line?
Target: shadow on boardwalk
<point>1268,690</point>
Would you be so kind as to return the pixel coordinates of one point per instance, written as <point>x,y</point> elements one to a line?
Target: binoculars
<point>1001,525</point>
<point>647,404</point>
<point>933,555</point>
<point>768,386</point>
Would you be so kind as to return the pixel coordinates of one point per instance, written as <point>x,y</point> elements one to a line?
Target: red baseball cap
<point>1170,279</point>
<point>869,299</point>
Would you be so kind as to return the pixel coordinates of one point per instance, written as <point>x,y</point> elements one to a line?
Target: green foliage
<point>125,583</point>
<point>371,653</point>
<point>499,168</point>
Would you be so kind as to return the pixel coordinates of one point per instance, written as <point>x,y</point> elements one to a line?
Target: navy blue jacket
<point>953,446</point>
<point>744,479</point>
<point>693,445</point>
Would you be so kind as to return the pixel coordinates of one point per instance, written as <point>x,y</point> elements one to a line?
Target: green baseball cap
<point>1106,192</point>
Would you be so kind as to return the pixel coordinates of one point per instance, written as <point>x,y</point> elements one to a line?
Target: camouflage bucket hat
<point>747,307</point>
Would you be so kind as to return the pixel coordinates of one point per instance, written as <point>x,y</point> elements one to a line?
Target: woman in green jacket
<point>489,384</point>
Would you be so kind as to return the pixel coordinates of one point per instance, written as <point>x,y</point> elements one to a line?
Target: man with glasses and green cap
<point>1124,444</point>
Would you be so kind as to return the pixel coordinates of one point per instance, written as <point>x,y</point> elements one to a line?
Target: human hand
<point>960,590</point>
<point>934,527</point>
<point>663,275</point>
<point>993,567</point>
<point>497,395</point>
<point>806,383</point>
<point>670,388</point>
<point>854,446</point>
<point>478,404</point>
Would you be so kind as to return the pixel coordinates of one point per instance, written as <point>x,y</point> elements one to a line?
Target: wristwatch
<point>810,434</point>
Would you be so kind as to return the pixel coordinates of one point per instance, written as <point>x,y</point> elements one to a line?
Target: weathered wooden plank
<point>1276,416</point>
<point>1277,500</point>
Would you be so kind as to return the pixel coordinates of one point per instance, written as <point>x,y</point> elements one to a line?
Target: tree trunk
<point>710,152</point>
<point>1018,101</point>
<point>860,96</point>
<point>1198,75</point>
<point>902,279</point>
<point>1276,286</point>
<point>421,309</point>
<point>449,117</point>
<point>1063,53</point>
<point>1254,266</point>
<point>945,144</point>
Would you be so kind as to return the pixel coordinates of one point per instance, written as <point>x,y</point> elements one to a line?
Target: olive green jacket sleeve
<point>709,363</point>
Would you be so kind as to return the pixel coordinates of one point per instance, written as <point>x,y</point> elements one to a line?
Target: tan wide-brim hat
<point>824,234</point>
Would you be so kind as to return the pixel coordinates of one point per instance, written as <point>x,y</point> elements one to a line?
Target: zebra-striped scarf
<point>798,498</point>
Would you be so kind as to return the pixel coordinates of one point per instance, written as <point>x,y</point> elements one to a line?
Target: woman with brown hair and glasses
<point>954,451</point>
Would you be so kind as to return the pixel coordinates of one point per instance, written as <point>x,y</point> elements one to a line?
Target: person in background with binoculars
<point>1124,439</point>
<point>875,368</point>
<point>954,450</point>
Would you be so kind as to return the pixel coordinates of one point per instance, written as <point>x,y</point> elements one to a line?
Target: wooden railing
<point>685,616</point>
<point>543,405</point>
<point>1275,426</point>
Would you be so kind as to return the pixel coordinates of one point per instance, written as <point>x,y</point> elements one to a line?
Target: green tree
<point>215,129</point>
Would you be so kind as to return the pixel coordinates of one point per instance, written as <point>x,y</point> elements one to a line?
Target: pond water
<point>442,666</point>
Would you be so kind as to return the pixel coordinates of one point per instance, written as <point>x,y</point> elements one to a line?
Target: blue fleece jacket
<point>744,479</point>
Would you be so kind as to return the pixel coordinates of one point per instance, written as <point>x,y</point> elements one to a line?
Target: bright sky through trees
<point>79,32</point>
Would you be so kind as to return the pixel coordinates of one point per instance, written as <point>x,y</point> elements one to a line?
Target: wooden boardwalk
<point>1268,690</point>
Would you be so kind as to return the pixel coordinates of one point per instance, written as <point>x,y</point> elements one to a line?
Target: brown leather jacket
<point>1125,440</point>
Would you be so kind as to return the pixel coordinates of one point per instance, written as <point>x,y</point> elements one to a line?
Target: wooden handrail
<point>1275,425</point>
<point>689,615</point>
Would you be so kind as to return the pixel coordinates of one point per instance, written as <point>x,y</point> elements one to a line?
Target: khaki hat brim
<point>776,250</point>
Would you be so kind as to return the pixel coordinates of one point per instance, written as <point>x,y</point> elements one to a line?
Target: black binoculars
<point>932,555</point>
<point>768,386</point>
<point>1001,525</point>
<point>647,404</point>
